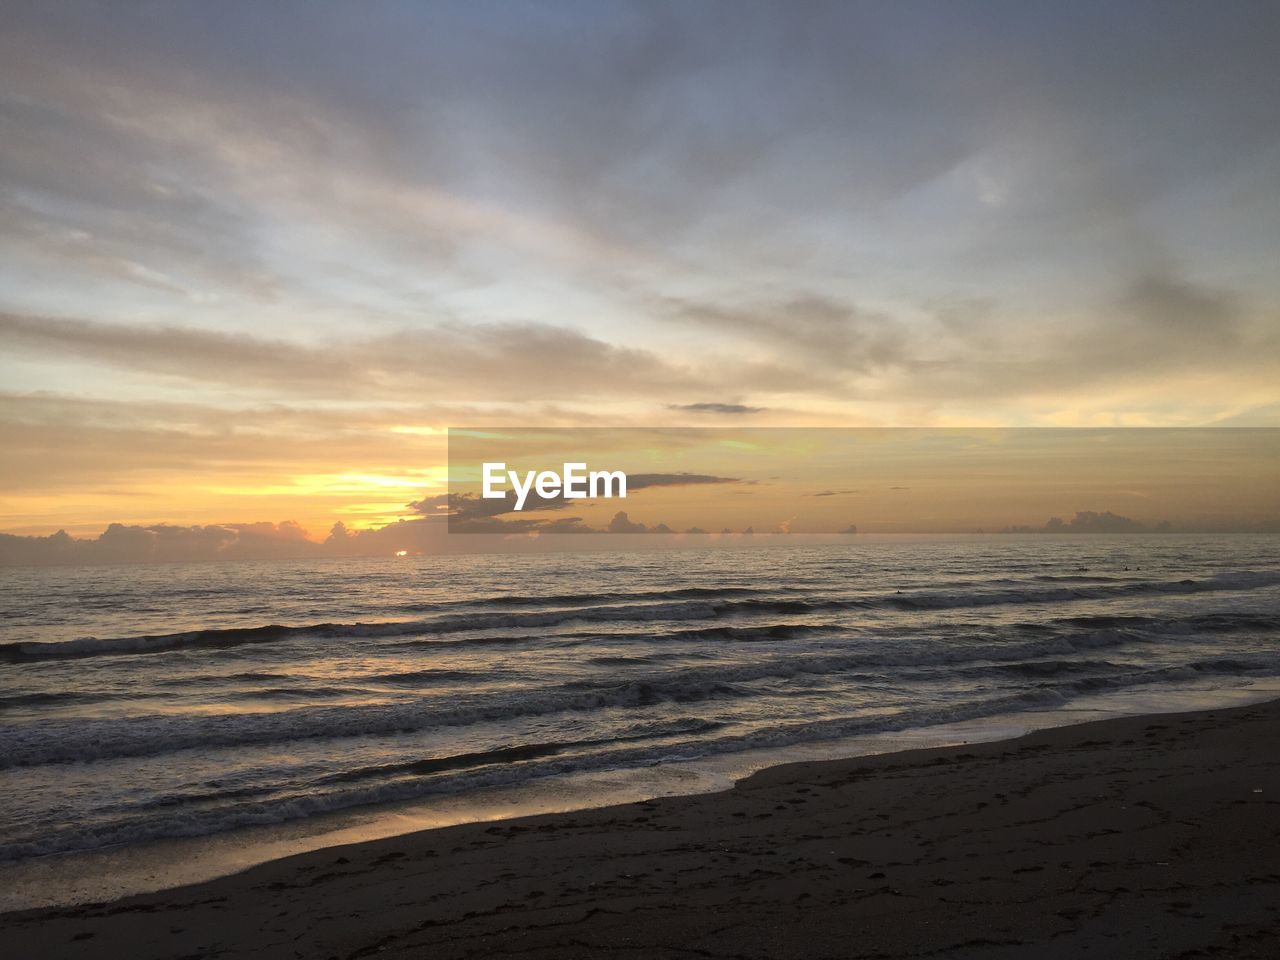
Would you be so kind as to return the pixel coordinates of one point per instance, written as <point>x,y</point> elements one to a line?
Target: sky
<point>257,258</point>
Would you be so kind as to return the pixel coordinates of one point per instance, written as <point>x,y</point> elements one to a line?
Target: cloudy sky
<point>256,257</point>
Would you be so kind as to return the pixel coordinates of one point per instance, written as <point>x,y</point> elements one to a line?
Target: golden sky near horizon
<point>258,258</point>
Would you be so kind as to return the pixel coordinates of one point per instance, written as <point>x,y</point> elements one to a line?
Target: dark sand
<point>1146,837</point>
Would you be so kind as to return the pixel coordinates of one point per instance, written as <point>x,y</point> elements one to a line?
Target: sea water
<point>144,703</point>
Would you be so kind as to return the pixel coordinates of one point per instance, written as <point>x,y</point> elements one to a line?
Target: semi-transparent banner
<point>740,482</point>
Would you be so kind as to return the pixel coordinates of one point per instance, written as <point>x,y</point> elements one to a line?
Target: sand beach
<point>1151,836</point>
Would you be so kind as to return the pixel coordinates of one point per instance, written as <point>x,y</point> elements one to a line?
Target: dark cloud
<point>470,513</point>
<point>160,543</point>
<point>1090,521</point>
<point>726,408</point>
<point>461,508</point>
<point>639,481</point>
<point>622,523</point>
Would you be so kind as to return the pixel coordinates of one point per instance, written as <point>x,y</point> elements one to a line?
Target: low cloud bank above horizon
<point>1090,521</point>
<point>171,543</point>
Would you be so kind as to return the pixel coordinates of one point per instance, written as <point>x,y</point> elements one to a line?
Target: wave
<point>1203,622</point>
<point>1047,668</point>
<point>1078,578</point>
<point>583,599</point>
<point>308,800</point>
<point>235,636</point>
<point>519,753</point>
<point>706,608</point>
<point>747,634</point>
<point>61,741</point>
<point>220,679</point>
<point>151,643</point>
<point>68,741</point>
<point>682,739</point>
<point>293,693</point>
<point>419,678</point>
<point>1245,580</point>
<point>44,698</point>
<point>460,761</point>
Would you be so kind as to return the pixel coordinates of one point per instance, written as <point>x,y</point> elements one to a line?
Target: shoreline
<point>1168,815</point>
<point>154,866</point>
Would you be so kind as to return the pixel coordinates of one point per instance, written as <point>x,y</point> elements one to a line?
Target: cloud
<point>726,408</point>
<point>466,514</point>
<point>814,329</point>
<point>1261,415</point>
<point>470,505</point>
<point>470,513</point>
<point>740,134</point>
<point>467,508</point>
<point>621,523</point>
<point>641,481</point>
<point>160,543</point>
<point>1090,521</point>
<point>1171,314</point>
<point>177,351</point>
<point>481,362</point>
<point>464,505</point>
<point>1154,329</point>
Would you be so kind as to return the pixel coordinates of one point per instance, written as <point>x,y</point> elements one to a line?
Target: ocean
<point>146,702</point>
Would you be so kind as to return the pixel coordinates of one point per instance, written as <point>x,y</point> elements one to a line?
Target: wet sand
<point>1141,837</point>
